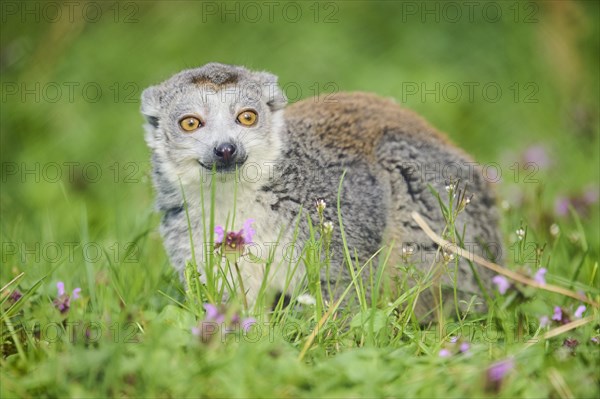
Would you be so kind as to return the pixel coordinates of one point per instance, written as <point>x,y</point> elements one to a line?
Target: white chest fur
<point>274,255</point>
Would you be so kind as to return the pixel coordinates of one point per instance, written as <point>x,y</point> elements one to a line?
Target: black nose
<point>225,151</point>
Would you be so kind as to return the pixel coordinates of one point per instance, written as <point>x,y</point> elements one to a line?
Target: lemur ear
<point>151,105</point>
<point>276,100</point>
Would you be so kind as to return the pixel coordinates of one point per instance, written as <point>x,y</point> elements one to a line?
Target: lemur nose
<point>225,151</point>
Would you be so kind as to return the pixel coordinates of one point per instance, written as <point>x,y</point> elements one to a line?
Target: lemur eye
<point>190,123</point>
<point>247,118</point>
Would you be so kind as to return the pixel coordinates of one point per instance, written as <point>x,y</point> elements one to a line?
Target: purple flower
<point>580,202</point>
<point>216,321</point>
<point>496,373</point>
<point>63,301</point>
<point>579,312</point>
<point>558,314</point>
<point>213,314</point>
<point>590,195</point>
<point>539,276</point>
<point>444,353</point>
<point>235,241</point>
<point>248,323</point>
<point>196,331</point>
<point>561,206</point>
<point>220,233</point>
<point>464,347</point>
<point>571,343</point>
<point>544,321</point>
<point>15,296</point>
<point>211,311</point>
<point>538,155</point>
<point>502,283</point>
<point>61,288</point>
<point>236,322</point>
<point>595,340</point>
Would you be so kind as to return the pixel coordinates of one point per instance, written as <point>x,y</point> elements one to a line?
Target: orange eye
<point>190,123</point>
<point>247,118</point>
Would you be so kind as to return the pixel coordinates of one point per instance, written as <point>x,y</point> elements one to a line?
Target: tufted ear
<point>271,91</point>
<point>151,105</point>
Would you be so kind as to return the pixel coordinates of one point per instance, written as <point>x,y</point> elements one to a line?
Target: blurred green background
<point>511,82</point>
<point>75,166</point>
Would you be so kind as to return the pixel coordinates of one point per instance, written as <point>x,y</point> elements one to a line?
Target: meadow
<point>90,306</point>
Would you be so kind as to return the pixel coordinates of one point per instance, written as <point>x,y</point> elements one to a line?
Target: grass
<point>118,341</point>
<point>130,333</point>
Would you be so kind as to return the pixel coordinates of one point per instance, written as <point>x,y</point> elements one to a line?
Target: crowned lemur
<point>233,124</point>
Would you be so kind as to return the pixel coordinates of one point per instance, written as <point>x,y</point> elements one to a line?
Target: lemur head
<point>216,116</point>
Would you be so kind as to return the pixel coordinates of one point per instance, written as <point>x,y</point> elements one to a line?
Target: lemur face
<point>217,117</point>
